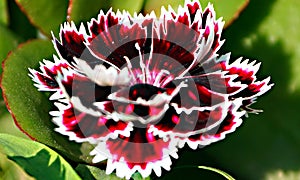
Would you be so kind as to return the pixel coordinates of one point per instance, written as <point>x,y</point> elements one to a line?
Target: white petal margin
<point>211,139</point>
<point>101,153</point>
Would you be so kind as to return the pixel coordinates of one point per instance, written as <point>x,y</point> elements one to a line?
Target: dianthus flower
<point>141,87</point>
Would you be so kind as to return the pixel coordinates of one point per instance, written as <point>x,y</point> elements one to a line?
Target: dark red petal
<point>184,18</point>
<point>251,90</point>
<point>144,91</point>
<point>198,93</point>
<point>111,41</point>
<point>71,43</point>
<point>103,23</point>
<point>251,93</point>
<point>217,82</point>
<point>87,91</point>
<point>217,38</point>
<point>207,13</point>
<point>48,83</point>
<point>193,8</point>
<point>168,42</point>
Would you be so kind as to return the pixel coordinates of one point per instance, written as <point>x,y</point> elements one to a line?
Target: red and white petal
<point>71,43</point>
<point>246,72</point>
<point>104,22</point>
<point>47,80</point>
<point>243,73</point>
<point>196,108</point>
<point>88,91</point>
<point>195,13</point>
<point>209,17</point>
<point>199,92</point>
<point>170,52</point>
<point>190,121</point>
<point>186,55</point>
<point>228,125</point>
<point>251,93</point>
<point>167,44</point>
<point>209,42</point>
<point>114,37</point>
<point>218,82</point>
<point>255,89</point>
<point>140,152</point>
<point>88,126</point>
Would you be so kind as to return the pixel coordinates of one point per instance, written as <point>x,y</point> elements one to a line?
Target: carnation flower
<point>141,87</point>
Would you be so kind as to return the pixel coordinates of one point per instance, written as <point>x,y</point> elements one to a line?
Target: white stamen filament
<point>142,64</point>
<point>159,76</point>
<point>196,58</point>
<point>150,56</point>
<point>129,66</point>
<point>177,89</point>
<point>166,81</point>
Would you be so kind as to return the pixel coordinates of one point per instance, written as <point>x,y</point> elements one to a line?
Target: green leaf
<point>8,41</point>
<point>94,173</point>
<point>155,5</point>
<point>129,5</point>
<point>10,128</point>
<point>36,159</point>
<point>138,176</point>
<point>224,174</point>
<point>90,9</point>
<point>10,170</point>
<point>45,15</point>
<point>229,10</point>
<point>192,171</point>
<point>30,108</point>
<point>19,23</point>
<point>3,12</point>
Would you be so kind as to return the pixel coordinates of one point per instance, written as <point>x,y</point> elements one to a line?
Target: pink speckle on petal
<point>129,109</point>
<point>192,95</point>
<point>175,119</point>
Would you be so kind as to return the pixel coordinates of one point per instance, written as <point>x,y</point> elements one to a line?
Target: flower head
<point>140,87</point>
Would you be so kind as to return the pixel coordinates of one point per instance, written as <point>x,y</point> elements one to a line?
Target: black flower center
<point>144,91</point>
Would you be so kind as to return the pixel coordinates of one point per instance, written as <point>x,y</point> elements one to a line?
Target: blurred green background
<point>266,146</point>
